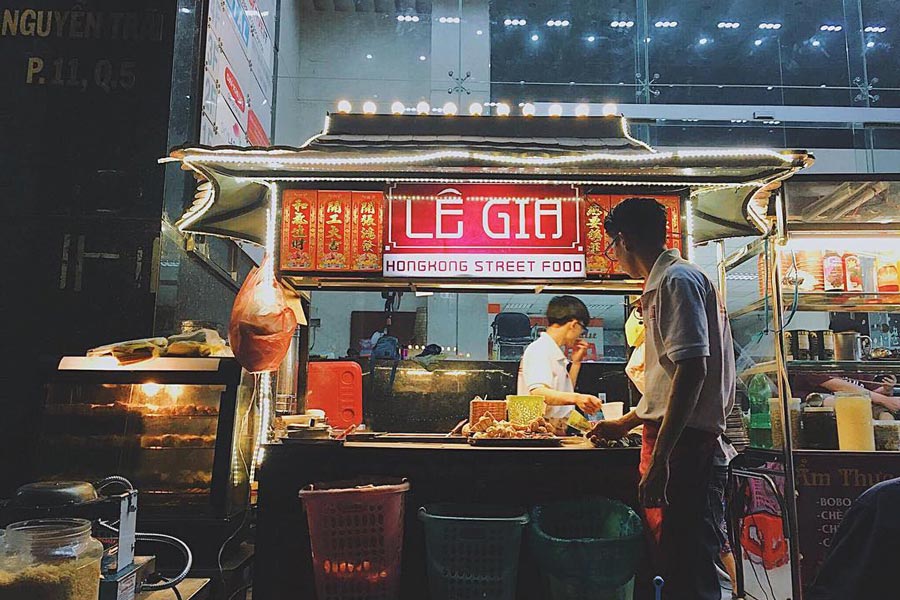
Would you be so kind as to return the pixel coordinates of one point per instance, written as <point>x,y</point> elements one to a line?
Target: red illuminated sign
<point>486,231</point>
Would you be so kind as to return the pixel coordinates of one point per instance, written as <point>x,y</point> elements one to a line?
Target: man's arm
<point>690,374</point>
<point>574,369</point>
<point>616,428</point>
<point>589,404</point>
<point>836,384</point>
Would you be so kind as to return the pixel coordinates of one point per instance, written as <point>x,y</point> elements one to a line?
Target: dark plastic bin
<point>472,550</point>
<point>587,548</point>
<point>356,534</point>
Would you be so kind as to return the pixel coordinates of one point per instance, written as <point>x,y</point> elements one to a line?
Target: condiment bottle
<point>853,278</point>
<point>887,276</point>
<point>833,271</point>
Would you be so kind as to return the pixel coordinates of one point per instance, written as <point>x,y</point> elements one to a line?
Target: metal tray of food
<point>535,442</point>
<point>421,438</point>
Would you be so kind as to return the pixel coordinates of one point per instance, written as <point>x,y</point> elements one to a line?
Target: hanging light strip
<point>698,186</point>
<point>443,155</point>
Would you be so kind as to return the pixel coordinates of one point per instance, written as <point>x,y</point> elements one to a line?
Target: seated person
<point>881,392</point>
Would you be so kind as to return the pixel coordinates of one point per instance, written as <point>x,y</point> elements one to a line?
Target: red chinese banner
<point>367,230</point>
<point>298,230</point>
<point>596,209</point>
<point>333,239</point>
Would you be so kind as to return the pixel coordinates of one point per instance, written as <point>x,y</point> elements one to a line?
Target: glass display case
<point>181,429</point>
<point>814,304</point>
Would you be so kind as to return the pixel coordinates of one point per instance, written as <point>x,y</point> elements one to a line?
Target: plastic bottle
<point>759,390</point>
<point>832,271</point>
<point>887,277</point>
<point>853,277</point>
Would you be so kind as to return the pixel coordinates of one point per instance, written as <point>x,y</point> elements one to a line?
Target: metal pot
<point>850,345</point>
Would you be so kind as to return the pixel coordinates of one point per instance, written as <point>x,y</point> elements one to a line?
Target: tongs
<point>342,435</point>
<point>458,428</point>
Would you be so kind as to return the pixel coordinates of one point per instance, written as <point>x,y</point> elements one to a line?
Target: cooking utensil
<point>456,430</point>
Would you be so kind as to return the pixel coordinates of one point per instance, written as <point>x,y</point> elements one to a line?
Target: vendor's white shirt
<point>544,363</point>
<point>684,318</point>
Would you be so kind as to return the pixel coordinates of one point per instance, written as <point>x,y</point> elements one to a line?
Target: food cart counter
<point>428,205</point>
<point>438,472</point>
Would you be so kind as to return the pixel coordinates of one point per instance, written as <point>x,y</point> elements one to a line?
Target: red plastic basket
<point>356,534</point>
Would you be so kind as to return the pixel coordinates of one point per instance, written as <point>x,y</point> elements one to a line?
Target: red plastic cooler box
<point>336,388</point>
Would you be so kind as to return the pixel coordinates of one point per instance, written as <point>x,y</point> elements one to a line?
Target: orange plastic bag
<point>262,322</point>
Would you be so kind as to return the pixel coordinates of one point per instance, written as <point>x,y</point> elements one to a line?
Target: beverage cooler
<point>182,430</point>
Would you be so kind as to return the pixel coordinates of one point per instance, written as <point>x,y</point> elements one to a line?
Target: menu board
<point>239,69</point>
<point>827,485</point>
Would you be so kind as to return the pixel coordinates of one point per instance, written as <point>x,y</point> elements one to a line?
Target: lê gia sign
<point>489,231</point>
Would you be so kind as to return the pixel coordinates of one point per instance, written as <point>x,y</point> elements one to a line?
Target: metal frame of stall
<point>775,235</point>
<point>239,189</point>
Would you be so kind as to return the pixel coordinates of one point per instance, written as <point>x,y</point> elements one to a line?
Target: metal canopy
<point>369,151</point>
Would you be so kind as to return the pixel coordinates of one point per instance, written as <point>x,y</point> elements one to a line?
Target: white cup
<point>613,410</point>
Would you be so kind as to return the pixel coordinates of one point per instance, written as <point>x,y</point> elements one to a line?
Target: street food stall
<point>819,354</point>
<point>431,204</point>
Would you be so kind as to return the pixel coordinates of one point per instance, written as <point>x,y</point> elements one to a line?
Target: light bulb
<point>528,109</point>
<point>503,109</point>
<point>609,109</point>
<point>555,110</point>
<point>344,106</point>
<point>450,108</point>
<point>369,107</point>
<point>397,108</point>
<point>422,108</point>
<point>151,389</point>
<point>582,110</point>
<point>475,109</point>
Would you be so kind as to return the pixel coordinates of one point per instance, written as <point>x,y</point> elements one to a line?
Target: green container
<point>472,550</point>
<point>587,548</point>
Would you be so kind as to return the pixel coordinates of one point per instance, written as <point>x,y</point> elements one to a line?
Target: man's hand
<point>652,489</point>
<point>888,383</point>
<point>579,350</point>
<point>615,429</point>
<point>587,403</point>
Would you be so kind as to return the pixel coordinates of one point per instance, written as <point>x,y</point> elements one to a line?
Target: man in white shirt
<point>689,388</point>
<point>543,370</point>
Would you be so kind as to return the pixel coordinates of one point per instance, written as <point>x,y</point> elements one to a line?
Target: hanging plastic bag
<point>263,321</point>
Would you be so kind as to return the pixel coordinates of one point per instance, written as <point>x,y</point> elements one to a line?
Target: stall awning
<point>373,150</point>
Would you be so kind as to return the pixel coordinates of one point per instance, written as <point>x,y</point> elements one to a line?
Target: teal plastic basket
<point>472,550</point>
<point>587,548</point>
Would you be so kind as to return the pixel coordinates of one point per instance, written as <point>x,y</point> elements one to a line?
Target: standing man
<point>690,386</point>
<point>543,370</point>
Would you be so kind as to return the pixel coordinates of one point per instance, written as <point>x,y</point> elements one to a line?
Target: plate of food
<point>488,431</point>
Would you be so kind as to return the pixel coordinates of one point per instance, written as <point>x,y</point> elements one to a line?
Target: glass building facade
<point>819,74</point>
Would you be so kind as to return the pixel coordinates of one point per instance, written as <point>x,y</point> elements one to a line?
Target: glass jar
<point>819,428</point>
<point>50,559</point>
<point>854,421</point>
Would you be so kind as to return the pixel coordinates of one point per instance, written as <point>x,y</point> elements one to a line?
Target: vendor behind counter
<point>434,400</point>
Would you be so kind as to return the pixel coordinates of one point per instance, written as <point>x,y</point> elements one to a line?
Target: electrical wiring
<point>245,421</point>
<point>167,583</point>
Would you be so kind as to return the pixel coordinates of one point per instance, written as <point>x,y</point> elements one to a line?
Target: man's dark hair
<point>643,219</point>
<point>563,309</point>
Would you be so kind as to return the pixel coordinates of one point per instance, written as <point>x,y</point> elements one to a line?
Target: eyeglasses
<point>584,327</point>
<point>610,246</point>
